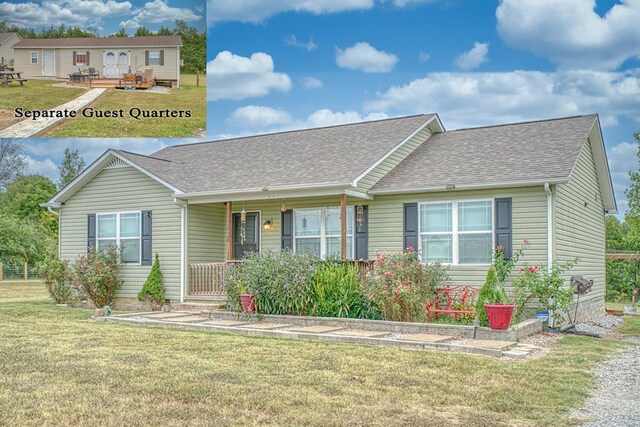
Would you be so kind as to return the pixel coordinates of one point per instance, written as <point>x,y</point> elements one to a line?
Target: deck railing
<point>207,279</point>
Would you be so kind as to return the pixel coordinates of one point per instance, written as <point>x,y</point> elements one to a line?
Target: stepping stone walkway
<point>29,127</point>
<point>318,329</point>
<point>192,321</point>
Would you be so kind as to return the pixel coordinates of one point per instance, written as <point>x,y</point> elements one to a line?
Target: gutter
<point>479,186</point>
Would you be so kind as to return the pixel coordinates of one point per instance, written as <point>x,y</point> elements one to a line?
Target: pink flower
<point>533,269</point>
<point>398,290</point>
<point>527,242</point>
<point>404,282</point>
<point>500,248</point>
<point>377,277</point>
<point>410,248</point>
<point>387,274</point>
<point>367,274</point>
<point>83,267</point>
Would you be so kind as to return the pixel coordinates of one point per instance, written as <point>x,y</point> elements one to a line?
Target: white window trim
<point>31,57</point>
<point>159,62</point>
<point>455,233</point>
<point>323,230</point>
<point>118,238</point>
<point>81,52</point>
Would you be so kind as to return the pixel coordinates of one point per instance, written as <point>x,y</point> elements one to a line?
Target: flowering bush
<point>57,279</point>
<point>98,274</point>
<point>547,287</point>
<point>399,285</point>
<point>279,279</point>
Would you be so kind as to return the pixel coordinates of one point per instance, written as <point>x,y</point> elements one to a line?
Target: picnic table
<point>12,76</point>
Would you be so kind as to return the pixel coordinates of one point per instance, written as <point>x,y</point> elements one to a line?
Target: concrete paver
<point>187,319</point>
<point>216,322</point>
<point>265,325</point>
<point>318,329</point>
<point>360,333</point>
<point>430,338</point>
<point>492,344</point>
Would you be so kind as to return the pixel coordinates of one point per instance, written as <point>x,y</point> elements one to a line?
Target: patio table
<point>10,76</point>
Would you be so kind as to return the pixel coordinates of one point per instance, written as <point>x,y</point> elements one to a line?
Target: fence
<point>17,272</point>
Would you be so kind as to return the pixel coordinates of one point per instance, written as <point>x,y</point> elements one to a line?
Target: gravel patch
<point>599,326</point>
<point>615,400</point>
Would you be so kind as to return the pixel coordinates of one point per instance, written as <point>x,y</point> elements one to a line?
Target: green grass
<point>36,95</point>
<point>59,368</point>
<point>618,305</point>
<point>631,326</point>
<point>187,97</point>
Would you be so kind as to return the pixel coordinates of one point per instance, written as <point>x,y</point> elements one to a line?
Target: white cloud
<point>405,3</point>
<point>326,117</point>
<point>292,40</point>
<point>237,77</point>
<point>253,116</point>
<point>255,11</point>
<point>423,57</point>
<point>571,33</point>
<point>364,57</point>
<point>44,167</point>
<point>81,13</point>
<point>470,99</point>
<point>312,83</point>
<point>157,12</point>
<point>473,58</point>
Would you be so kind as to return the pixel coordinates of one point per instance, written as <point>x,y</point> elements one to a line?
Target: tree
<point>194,50</point>
<point>153,289</point>
<point>632,217</point>
<point>21,242</point>
<point>22,198</point>
<point>143,31</point>
<point>71,166</point>
<point>164,31</point>
<point>121,33</point>
<point>13,163</point>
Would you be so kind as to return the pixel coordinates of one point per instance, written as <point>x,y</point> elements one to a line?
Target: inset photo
<point>118,70</point>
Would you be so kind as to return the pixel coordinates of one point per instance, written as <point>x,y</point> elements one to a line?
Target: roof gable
<point>6,36</point>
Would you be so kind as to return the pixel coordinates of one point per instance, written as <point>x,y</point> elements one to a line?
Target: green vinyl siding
<point>126,189</point>
<point>580,223</point>
<point>206,225</point>
<point>369,180</point>
<point>529,216</point>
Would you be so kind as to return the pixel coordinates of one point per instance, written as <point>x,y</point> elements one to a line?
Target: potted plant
<point>494,308</point>
<point>247,300</point>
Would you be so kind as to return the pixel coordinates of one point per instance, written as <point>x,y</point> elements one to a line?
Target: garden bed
<point>514,333</point>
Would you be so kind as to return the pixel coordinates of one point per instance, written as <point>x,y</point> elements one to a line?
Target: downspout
<point>547,189</point>
<point>183,255</point>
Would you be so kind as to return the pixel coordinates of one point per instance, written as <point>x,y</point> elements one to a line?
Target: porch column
<point>343,226</point>
<point>229,231</point>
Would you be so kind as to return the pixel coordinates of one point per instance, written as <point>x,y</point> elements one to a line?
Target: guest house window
<point>154,57</point>
<point>318,231</point>
<point>457,232</point>
<point>122,230</point>
<point>81,58</point>
<point>34,57</point>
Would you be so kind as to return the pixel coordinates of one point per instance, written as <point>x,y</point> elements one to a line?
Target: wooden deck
<point>112,84</point>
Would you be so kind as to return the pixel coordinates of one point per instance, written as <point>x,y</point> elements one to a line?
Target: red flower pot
<point>248,302</point>
<point>499,315</point>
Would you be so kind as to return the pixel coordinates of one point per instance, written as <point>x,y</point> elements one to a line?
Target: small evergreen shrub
<point>56,277</point>
<point>153,289</point>
<point>98,274</point>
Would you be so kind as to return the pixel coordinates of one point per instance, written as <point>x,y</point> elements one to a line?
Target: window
<point>81,58</point>
<point>34,57</point>
<point>457,232</point>
<point>121,230</point>
<point>154,57</point>
<point>318,231</point>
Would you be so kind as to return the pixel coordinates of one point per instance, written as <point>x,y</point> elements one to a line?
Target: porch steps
<point>201,305</point>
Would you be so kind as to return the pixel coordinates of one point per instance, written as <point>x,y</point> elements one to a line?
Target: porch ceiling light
<point>268,225</point>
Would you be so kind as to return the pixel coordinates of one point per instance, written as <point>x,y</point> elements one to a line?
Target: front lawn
<point>34,95</point>
<point>59,368</point>
<point>187,97</point>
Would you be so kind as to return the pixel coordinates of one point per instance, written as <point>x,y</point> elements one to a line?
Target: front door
<point>116,63</point>
<point>48,62</point>
<point>249,241</point>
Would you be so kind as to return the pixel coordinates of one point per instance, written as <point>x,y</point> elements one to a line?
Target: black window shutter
<point>362,235</point>
<point>503,225</point>
<point>162,57</point>
<point>91,231</point>
<point>88,58</point>
<point>147,257</point>
<point>287,229</point>
<point>74,57</point>
<point>410,226</point>
<point>146,57</point>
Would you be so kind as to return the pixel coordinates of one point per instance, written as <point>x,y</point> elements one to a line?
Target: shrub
<point>337,290</point>
<point>547,287</point>
<point>98,274</point>
<point>153,289</point>
<point>56,277</point>
<point>491,292</point>
<point>399,285</point>
<point>279,279</point>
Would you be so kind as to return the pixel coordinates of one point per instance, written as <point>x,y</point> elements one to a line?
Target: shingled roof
<point>5,36</point>
<point>543,150</point>
<point>84,42</point>
<point>322,156</point>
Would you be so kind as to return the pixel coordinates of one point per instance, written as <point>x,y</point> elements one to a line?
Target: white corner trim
<point>354,183</point>
<point>547,189</point>
<point>183,248</point>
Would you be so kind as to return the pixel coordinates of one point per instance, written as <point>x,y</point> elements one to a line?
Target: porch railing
<point>207,279</point>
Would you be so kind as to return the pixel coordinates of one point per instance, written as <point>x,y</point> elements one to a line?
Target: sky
<point>106,16</point>
<point>289,64</point>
